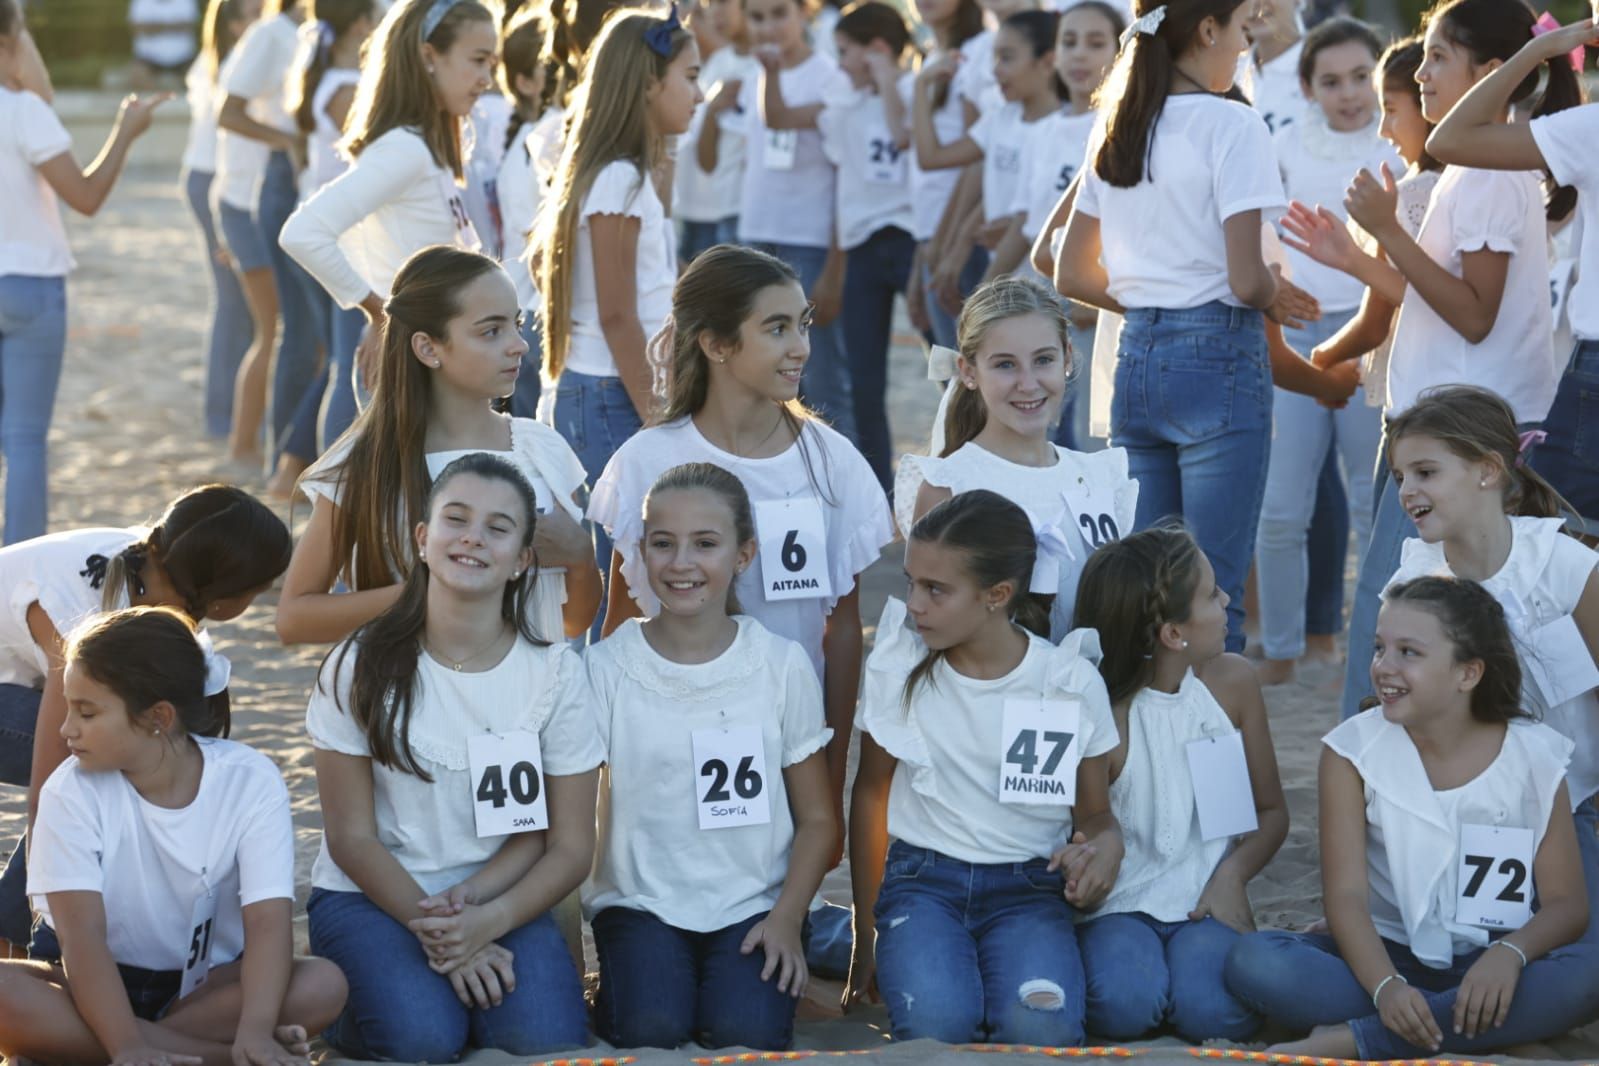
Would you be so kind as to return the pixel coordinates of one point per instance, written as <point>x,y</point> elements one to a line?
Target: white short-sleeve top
<point>1052,154</point>
<point>821,465</point>
<point>1168,861</point>
<point>255,71</point>
<point>52,572</point>
<point>1068,504</point>
<point>945,790</point>
<point>1539,587</point>
<point>33,241</point>
<point>150,864</point>
<point>430,828</point>
<point>931,189</point>
<point>652,855</point>
<point>1566,140</point>
<point>324,163</point>
<point>539,453</point>
<point>1413,830</point>
<point>1002,134</point>
<point>787,196</point>
<point>873,172</point>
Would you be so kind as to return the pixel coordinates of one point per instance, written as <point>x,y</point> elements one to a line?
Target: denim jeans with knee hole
<point>1299,981</point>
<point>295,365</point>
<point>663,987</point>
<point>400,1010</point>
<point>877,271</point>
<point>1192,406</point>
<point>33,343</point>
<point>1569,456</point>
<point>231,330</point>
<point>825,385</point>
<point>1142,974</point>
<point>977,952</point>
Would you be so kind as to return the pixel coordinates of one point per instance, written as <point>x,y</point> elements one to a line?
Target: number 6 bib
<point>730,777</point>
<point>1495,876</point>
<point>1038,752</point>
<point>507,783</point>
<point>793,549</point>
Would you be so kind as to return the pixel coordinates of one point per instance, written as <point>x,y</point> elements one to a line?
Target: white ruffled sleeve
<point>1496,221</point>
<point>1073,671</point>
<point>895,652</point>
<point>616,191</point>
<point>328,717</point>
<point>543,449</point>
<point>617,504</point>
<point>805,729</point>
<point>913,470</point>
<point>326,477</point>
<point>569,739</point>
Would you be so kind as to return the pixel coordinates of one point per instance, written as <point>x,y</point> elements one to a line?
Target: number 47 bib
<point>1039,752</point>
<point>793,549</point>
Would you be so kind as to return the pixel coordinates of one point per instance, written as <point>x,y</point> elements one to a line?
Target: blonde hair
<point>395,89</point>
<point>609,121</point>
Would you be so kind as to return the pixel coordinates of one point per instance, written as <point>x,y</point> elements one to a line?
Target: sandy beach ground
<point>128,437</point>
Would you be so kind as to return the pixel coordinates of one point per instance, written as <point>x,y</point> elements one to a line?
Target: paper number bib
<point>197,955</point>
<point>465,234</point>
<point>730,782</point>
<point>1094,511</point>
<point>1222,793</point>
<point>1038,752</point>
<point>781,148</point>
<point>793,549</point>
<point>885,160</point>
<point>507,783</point>
<point>1495,877</point>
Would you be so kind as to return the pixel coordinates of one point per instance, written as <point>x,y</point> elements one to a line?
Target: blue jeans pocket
<point>905,864</point>
<point>569,420</point>
<point>1210,383</point>
<point>1039,876</point>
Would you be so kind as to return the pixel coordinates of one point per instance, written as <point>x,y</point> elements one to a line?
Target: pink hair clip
<point>1547,23</point>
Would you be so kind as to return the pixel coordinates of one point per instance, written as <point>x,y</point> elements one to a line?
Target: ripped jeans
<point>977,953</point>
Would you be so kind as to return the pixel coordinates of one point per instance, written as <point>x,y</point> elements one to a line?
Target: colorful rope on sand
<point>1230,1054</point>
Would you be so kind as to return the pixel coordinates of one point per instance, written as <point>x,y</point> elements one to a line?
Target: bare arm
<point>776,112</point>
<point>264,970</point>
<point>568,853</point>
<point>931,154</point>
<point>1232,680</point>
<point>868,849</point>
<point>350,829</point>
<point>841,684</point>
<point>1361,334</point>
<point>815,837</point>
<point>615,242</point>
<point>233,117</point>
<point>85,191</point>
<point>1009,252</point>
<point>1250,279</point>
<point>1079,274</point>
<point>92,976</point>
<point>307,612</point>
<point>49,750</point>
<point>1043,253</point>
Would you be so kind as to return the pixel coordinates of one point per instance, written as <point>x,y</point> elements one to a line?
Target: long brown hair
<point>1129,589</point>
<point>216,35</point>
<point>1134,92</point>
<point>149,655</point>
<point>395,89</point>
<point>383,689</point>
<point>383,479</point>
<point>1474,621</point>
<point>609,122</point>
<point>338,16</point>
<point>1397,69</point>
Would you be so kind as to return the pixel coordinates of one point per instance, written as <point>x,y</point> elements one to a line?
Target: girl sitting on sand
<point>1444,815</point>
<point>983,755</point>
<point>1189,715</point>
<point>163,872</point>
<point>456,761</point>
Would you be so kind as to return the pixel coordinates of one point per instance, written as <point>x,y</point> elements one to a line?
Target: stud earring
<point>1483,483</point>
<point>1185,645</point>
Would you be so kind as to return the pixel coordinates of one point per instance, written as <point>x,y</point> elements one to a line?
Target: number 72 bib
<point>1495,876</point>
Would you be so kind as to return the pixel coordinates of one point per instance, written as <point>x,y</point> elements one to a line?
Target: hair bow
<point>659,353</point>
<point>1547,23</point>
<point>218,671</point>
<point>435,15</point>
<point>1147,23</point>
<point>1527,442</point>
<point>94,568</point>
<point>941,366</point>
<point>941,363</point>
<point>1053,549</point>
<point>659,37</point>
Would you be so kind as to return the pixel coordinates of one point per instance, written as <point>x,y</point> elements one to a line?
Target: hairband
<point>218,671</point>
<point>1147,23</point>
<point>1547,23</point>
<point>1527,442</point>
<point>435,15</point>
<point>659,36</point>
<point>94,568</point>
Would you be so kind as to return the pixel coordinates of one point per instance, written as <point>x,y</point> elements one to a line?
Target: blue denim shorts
<point>150,992</point>
<point>243,239</point>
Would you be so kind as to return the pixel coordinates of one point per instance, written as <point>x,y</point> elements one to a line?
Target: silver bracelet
<point>1502,943</point>
<point>1377,992</point>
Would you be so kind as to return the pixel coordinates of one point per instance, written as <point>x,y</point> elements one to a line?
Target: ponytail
<point>326,22</point>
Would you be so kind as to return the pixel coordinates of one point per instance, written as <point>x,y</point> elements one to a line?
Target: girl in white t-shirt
<point>603,247</point>
<point>456,760</point>
<point>1005,394</point>
<point>710,161</point>
<point>521,188</point>
<point>1166,229</point>
<point>1193,784</point>
<point>1270,75</point>
<point>717,825</point>
<point>983,756</point>
<point>1483,514</point>
<point>732,365</point>
<point>1444,815</point>
<point>37,172</point>
<point>450,349</point>
<point>162,870</point>
<point>426,64</point>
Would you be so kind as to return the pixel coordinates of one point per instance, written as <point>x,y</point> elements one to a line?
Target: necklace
<point>457,665</point>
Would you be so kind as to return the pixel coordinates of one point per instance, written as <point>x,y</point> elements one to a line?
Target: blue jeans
<point>1192,406</point>
<point>1304,432</point>
<point>829,941</point>
<point>977,953</point>
<point>878,271</point>
<point>399,1009</point>
<point>1075,427</point>
<point>33,343</point>
<point>1390,525</point>
<point>596,417</point>
<point>231,329</point>
<point>19,713</point>
<point>825,385</point>
<point>694,237</point>
<point>1569,457</point>
<point>525,398</point>
<point>16,917</point>
<point>661,986</point>
<point>328,406</point>
<point>1299,981</point>
<point>1326,548</point>
<point>1586,817</point>
<point>971,276</point>
<point>298,359</point>
<point>1142,974</point>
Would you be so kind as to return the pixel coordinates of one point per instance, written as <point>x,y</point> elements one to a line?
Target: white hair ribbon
<point>1053,549</point>
<point>218,671</point>
<point>941,366</point>
<point>941,363</point>
<point>1147,23</point>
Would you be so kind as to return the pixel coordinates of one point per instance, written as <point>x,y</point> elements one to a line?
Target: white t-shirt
<point>1053,152</point>
<point>931,189</point>
<point>47,570</point>
<point>788,181</point>
<point>652,854</point>
<point>1002,134</point>
<point>620,189</point>
<point>151,864</point>
<point>33,241</point>
<point>1415,196</point>
<point>323,161</point>
<point>974,78</point>
<point>356,233</point>
<point>486,129</point>
<point>1318,163</point>
<point>1567,141</point>
<point>1274,88</point>
<point>1163,240</point>
<point>821,468</point>
<point>702,196</point>
<point>255,72</point>
<point>873,172</point>
<point>520,194</point>
<point>1472,211</point>
<point>1413,830</point>
<point>167,48</point>
<point>1539,586</point>
<point>1080,503</point>
<point>200,150</point>
<point>430,828</point>
<point>540,454</point>
<point>945,793</point>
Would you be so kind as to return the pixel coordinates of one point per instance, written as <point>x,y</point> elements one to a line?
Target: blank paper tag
<point>1223,794</point>
<point>1559,662</point>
